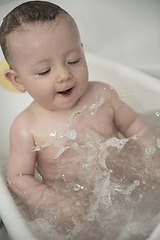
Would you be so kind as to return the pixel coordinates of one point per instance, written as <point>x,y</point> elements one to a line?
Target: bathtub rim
<point>13,220</point>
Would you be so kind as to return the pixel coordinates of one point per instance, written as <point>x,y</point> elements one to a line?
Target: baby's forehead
<point>46,25</point>
<point>27,26</point>
<point>30,31</point>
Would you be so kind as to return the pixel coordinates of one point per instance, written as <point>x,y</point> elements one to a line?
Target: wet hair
<point>28,12</point>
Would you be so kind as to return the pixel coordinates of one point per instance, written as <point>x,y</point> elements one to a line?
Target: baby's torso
<point>56,160</point>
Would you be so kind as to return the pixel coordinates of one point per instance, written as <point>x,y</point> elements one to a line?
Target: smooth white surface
<point>16,226</point>
<point>140,91</point>
<point>127,31</point>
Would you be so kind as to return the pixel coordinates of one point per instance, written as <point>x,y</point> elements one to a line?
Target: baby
<point>42,46</point>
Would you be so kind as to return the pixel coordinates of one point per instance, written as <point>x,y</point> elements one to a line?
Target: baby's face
<point>50,63</point>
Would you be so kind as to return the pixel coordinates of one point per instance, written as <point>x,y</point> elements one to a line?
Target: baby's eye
<point>44,73</point>
<point>74,62</point>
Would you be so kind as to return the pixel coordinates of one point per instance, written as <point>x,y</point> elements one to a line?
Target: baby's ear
<point>12,76</point>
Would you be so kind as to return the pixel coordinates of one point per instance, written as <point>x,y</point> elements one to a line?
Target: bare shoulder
<point>102,89</point>
<point>21,126</point>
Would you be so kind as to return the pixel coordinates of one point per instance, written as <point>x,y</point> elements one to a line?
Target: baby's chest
<point>51,136</point>
<point>100,121</point>
<point>52,143</point>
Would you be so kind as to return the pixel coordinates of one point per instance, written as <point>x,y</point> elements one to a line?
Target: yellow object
<point>3,81</point>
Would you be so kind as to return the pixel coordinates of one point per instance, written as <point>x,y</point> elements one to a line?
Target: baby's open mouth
<point>66,92</point>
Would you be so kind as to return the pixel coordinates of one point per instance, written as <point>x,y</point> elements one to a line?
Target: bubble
<point>146,170</point>
<point>71,134</point>
<point>77,203</point>
<point>106,200</point>
<point>158,114</point>
<point>150,150</point>
<point>136,182</point>
<point>78,187</point>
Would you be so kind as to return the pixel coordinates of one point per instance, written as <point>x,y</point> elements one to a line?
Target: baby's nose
<point>63,74</point>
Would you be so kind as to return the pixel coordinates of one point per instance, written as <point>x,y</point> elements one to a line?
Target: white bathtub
<point>140,91</point>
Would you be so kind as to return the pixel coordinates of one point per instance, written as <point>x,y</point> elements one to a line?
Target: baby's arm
<point>129,123</point>
<point>20,175</point>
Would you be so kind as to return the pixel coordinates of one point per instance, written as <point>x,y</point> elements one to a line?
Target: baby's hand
<point>64,214</point>
<point>69,211</point>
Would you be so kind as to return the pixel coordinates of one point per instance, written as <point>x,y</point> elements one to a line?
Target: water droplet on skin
<point>71,134</point>
<point>78,187</point>
<point>121,96</point>
<point>135,137</point>
<point>150,150</point>
<point>63,177</point>
<point>36,148</point>
<point>53,134</point>
<point>40,177</point>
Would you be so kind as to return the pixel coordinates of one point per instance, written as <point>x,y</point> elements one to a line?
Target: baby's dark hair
<point>28,12</point>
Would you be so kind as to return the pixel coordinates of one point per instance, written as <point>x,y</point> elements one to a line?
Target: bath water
<point>118,184</point>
